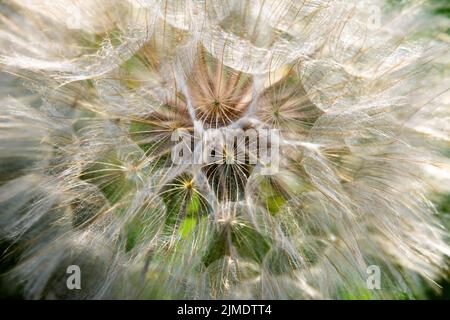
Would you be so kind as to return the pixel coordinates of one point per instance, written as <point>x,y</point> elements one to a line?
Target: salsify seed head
<point>99,97</point>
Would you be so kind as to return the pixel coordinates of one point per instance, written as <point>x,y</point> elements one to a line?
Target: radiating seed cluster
<point>93,91</point>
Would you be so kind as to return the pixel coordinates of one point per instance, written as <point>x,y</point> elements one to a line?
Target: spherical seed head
<point>336,108</point>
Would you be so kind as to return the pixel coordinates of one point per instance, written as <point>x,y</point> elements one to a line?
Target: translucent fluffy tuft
<point>93,91</point>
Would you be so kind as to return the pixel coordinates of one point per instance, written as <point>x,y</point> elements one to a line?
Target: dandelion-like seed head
<point>326,119</point>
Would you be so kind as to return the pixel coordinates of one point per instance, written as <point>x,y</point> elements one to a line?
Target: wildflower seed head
<point>336,111</point>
